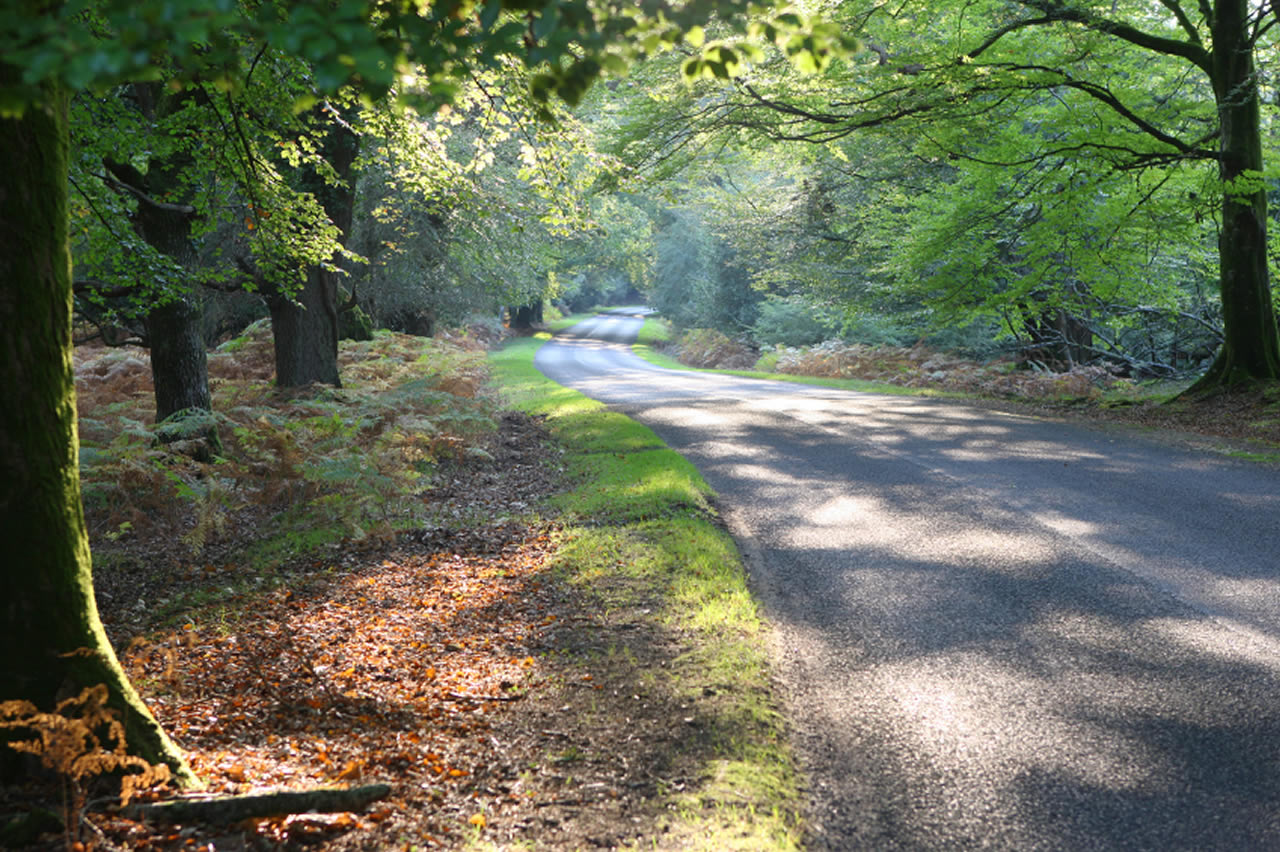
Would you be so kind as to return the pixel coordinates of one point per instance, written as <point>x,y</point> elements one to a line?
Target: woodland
<point>253,255</point>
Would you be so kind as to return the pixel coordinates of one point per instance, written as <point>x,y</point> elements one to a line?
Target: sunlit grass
<point>632,486</point>
<point>654,331</point>
<point>571,320</point>
<point>640,531</point>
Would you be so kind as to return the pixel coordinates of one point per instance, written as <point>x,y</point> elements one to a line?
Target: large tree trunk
<point>1251,347</point>
<point>53,641</point>
<point>304,331</point>
<point>305,328</point>
<point>179,363</point>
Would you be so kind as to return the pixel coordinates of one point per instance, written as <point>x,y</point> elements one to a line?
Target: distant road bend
<point>993,631</point>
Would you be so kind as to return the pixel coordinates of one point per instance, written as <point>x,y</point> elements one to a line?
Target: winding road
<point>992,631</point>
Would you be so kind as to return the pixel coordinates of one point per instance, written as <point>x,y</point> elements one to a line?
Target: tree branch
<point>230,809</point>
<point>1183,21</point>
<point>1193,52</point>
<point>1107,97</point>
<point>118,180</point>
<point>84,286</point>
<point>1004,31</point>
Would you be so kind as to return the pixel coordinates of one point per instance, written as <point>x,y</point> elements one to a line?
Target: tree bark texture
<point>1251,347</point>
<point>179,362</point>
<point>305,328</point>
<point>52,637</point>
<point>304,331</point>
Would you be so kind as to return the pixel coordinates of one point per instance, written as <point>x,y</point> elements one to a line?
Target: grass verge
<point>640,536</point>
<point>657,331</point>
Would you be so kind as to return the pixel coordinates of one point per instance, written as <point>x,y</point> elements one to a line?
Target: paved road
<point>993,631</point>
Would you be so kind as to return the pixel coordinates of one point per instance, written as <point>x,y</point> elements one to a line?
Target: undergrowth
<point>915,368</point>
<point>80,740</point>
<point>349,461</point>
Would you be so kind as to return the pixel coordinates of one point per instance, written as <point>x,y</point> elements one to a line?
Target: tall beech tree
<point>48,619</point>
<point>1219,40</point>
<point>52,634</point>
<point>179,367</point>
<point>1129,87</point>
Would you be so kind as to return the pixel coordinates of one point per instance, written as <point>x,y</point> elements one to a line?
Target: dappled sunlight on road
<point>954,708</point>
<point>844,509</point>
<point>1238,643</point>
<point>1074,527</point>
<point>996,631</point>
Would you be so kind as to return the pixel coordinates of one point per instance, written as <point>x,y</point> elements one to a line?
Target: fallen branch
<point>229,809</point>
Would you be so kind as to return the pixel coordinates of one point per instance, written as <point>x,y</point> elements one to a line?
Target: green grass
<point>640,531</point>
<point>572,319</point>
<point>1256,457</point>
<point>654,331</point>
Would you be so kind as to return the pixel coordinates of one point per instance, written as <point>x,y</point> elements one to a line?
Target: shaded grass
<point>641,533</point>
<point>656,332</point>
<point>661,359</point>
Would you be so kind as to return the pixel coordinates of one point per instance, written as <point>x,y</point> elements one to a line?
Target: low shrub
<point>923,367</point>
<point>353,458</point>
<point>793,322</point>
<point>708,348</point>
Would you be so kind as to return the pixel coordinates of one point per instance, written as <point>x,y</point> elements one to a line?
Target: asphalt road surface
<point>993,631</point>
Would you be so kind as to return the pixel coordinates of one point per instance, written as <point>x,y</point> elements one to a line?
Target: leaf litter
<point>445,656</point>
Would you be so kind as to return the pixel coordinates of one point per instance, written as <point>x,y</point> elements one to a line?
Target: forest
<point>252,256</point>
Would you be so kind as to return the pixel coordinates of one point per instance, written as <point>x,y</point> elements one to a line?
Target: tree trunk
<point>179,363</point>
<point>225,810</point>
<point>524,317</point>
<point>305,328</point>
<point>1251,345</point>
<point>53,640</point>
<point>305,332</point>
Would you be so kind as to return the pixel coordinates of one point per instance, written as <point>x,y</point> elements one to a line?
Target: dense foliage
<point>1073,183</point>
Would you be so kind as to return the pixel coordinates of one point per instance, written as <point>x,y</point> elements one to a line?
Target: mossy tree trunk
<point>52,637</point>
<point>1251,346</point>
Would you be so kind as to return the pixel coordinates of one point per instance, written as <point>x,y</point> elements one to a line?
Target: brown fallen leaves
<point>391,672</point>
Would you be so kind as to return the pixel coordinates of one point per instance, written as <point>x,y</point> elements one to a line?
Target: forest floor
<point>292,629</point>
<point>290,639</point>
